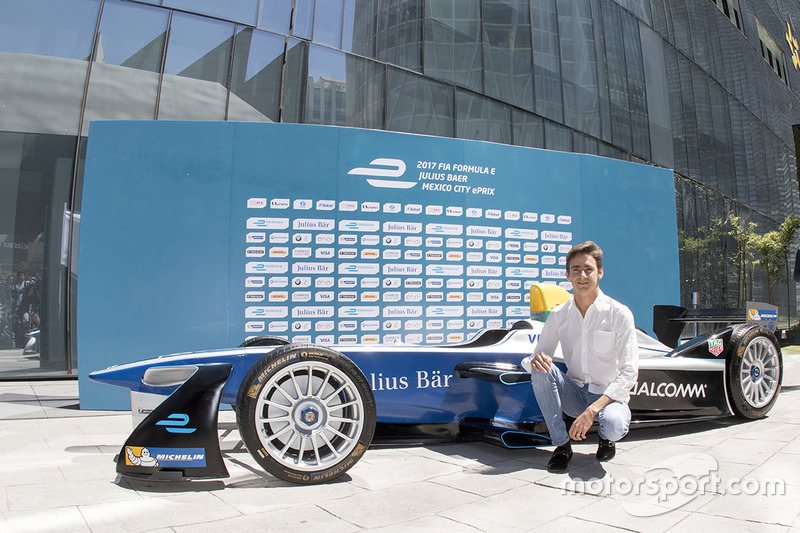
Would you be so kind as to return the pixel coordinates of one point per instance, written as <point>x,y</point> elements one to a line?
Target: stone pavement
<point>57,474</point>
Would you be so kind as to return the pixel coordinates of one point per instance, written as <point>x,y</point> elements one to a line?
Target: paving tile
<point>428,524</point>
<point>398,504</point>
<point>781,466</point>
<point>519,509</point>
<point>654,451</point>
<point>584,525</point>
<point>617,512</point>
<point>763,430</point>
<point>792,447</point>
<point>51,493</point>
<point>378,472</point>
<point>469,454</point>
<point>65,519</point>
<point>272,494</point>
<point>484,481</point>
<point>781,509</point>
<point>166,511</point>
<point>13,474</point>
<point>747,451</point>
<point>704,522</point>
<point>309,518</point>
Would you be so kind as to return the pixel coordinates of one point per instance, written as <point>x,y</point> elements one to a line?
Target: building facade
<point>708,88</point>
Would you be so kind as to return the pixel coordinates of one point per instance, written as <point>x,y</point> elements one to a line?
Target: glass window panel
<point>244,11</point>
<point>44,46</point>
<point>294,82</point>
<point>453,42</point>
<point>528,129</point>
<point>359,31</point>
<point>602,73</point>
<point>196,69</point>
<point>637,96</point>
<point>343,90</point>
<point>131,36</point>
<point>546,59</point>
<point>507,52</point>
<point>689,112</point>
<point>705,129</point>
<point>35,185</point>
<point>328,23</point>
<point>48,27</point>
<point>557,137</point>
<point>256,76</point>
<point>303,18</point>
<point>578,67</point>
<point>583,144</point>
<point>617,76</point>
<point>125,73</point>
<point>276,15</point>
<point>417,105</point>
<point>400,36</point>
<point>365,93</point>
<point>482,119</point>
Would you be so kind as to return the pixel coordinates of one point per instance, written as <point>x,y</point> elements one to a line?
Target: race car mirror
<point>763,314</point>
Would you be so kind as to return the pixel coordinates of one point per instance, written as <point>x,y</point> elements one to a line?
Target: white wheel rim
<point>309,425</point>
<point>760,372</point>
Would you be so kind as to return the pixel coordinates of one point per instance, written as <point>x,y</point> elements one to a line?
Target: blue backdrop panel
<point>197,235</point>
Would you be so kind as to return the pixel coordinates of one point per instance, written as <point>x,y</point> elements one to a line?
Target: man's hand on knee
<point>541,362</point>
<point>581,425</point>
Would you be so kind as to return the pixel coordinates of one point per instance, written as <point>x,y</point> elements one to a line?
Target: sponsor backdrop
<point>196,235</point>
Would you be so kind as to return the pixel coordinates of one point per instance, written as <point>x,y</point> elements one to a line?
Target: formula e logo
<point>396,168</point>
<point>176,423</point>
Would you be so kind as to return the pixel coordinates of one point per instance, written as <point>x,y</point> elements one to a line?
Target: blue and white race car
<point>308,413</point>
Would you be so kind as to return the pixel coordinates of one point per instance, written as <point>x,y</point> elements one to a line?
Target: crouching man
<point>598,342</point>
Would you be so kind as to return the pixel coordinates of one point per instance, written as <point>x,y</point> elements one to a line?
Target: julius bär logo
<point>382,177</point>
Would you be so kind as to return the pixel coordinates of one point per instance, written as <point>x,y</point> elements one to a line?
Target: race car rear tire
<point>303,430</point>
<point>754,370</point>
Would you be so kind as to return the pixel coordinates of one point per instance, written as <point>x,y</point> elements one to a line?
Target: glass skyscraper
<point>705,87</point>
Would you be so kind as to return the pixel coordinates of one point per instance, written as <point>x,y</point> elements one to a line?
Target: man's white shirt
<point>599,349</point>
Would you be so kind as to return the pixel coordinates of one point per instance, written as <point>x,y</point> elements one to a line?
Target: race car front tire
<point>754,370</point>
<point>306,413</point>
<point>264,340</point>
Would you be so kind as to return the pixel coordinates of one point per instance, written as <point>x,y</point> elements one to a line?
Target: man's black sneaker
<point>606,450</point>
<point>560,459</point>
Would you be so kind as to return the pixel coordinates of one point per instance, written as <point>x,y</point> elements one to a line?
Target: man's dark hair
<point>588,247</point>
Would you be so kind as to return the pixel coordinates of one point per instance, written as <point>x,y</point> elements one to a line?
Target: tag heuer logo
<point>715,346</point>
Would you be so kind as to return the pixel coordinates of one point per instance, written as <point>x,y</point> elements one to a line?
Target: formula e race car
<point>307,413</point>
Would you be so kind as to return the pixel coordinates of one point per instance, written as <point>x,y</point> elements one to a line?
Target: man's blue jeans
<point>557,394</point>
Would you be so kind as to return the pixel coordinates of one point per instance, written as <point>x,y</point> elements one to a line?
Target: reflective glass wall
<point>673,83</point>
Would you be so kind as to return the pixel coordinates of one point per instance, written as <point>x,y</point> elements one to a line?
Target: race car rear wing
<point>670,320</point>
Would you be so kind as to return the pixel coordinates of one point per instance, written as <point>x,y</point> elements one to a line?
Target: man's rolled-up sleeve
<point>627,358</point>
<point>547,343</point>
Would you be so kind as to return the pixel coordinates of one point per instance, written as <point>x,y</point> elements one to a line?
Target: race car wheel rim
<point>309,416</point>
<point>760,372</point>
